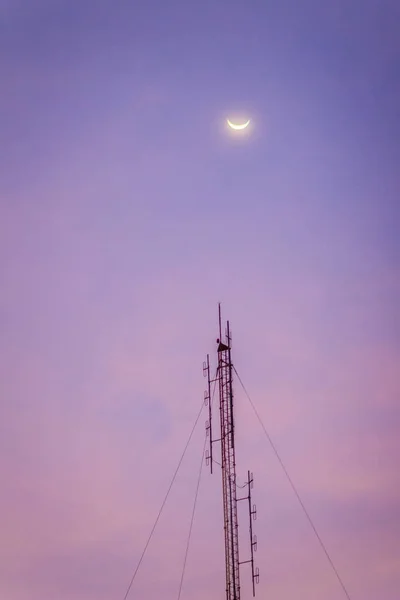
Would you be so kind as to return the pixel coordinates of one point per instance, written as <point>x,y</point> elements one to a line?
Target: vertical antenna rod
<point>207,402</point>
<point>255,575</point>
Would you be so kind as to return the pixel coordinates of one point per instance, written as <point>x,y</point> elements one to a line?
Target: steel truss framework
<point>224,379</point>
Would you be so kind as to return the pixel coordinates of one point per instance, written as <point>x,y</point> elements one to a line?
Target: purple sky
<point>126,213</point>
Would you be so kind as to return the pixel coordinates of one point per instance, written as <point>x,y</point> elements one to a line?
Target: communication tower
<point>224,380</point>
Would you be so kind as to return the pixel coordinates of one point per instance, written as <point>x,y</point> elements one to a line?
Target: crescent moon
<point>237,127</point>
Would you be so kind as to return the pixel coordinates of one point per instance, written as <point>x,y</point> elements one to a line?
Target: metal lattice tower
<point>224,378</point>
<point>228,469</point>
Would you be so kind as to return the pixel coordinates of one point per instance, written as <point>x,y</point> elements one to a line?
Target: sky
<point>127,212</point>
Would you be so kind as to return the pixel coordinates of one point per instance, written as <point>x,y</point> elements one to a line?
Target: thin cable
<point>192,519</point>
<point>294,488</point>
<point>195,502</point>
<point>163,503</point>
<point>237,485</point>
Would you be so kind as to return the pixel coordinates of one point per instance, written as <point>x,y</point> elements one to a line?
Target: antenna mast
<point>224,378</point>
